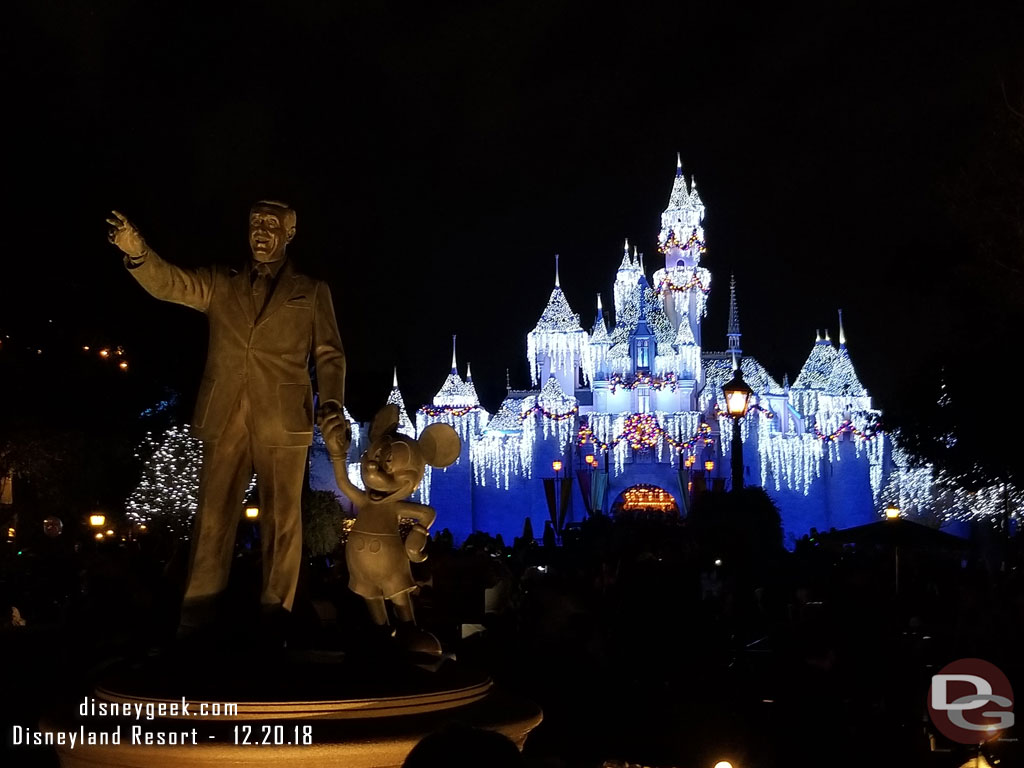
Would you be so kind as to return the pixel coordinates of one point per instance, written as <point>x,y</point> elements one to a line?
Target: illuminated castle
<point>642,397</point>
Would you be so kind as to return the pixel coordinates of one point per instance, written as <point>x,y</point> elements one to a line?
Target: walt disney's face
<point>268,233</point>
<point>391,468</point>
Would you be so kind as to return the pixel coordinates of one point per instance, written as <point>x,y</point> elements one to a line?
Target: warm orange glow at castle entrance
<point>644,498</point>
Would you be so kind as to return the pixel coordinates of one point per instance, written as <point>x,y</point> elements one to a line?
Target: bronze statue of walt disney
<point>255,403</point>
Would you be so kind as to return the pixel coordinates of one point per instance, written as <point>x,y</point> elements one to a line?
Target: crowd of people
<point>648,639</point>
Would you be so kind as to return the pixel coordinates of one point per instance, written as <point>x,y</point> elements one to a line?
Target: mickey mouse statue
<point>377,558</point>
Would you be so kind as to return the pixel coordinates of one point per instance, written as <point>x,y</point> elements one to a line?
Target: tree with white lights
<point>169,488</point>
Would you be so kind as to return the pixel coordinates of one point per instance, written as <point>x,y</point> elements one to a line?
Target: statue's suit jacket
<point>265,356</point>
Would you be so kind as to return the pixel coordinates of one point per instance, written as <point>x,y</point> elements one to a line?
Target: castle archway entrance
<point>645,498</point>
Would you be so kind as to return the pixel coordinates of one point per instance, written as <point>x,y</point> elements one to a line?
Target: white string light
<point>169,487</point>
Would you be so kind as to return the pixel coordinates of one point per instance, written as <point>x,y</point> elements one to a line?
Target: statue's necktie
<point>260,286</point>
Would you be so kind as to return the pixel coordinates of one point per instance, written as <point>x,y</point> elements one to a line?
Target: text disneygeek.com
<point>241,734</point>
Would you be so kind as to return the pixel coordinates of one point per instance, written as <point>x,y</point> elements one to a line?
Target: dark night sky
<point>440,155</point>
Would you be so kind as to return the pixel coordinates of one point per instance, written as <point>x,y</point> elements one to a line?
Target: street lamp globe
<point>737,395</point>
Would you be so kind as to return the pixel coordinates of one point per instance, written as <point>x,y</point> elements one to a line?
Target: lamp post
<point>892,512</point>
<point>557,466</point>
<point>591,462</point>
<point>737,394</point>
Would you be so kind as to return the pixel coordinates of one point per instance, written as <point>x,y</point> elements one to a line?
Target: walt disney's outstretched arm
<point>191,287</point>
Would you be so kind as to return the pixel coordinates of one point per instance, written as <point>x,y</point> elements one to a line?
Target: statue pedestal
<point>254,711</point>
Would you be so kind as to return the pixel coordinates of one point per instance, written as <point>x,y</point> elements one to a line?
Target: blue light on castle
<point>644,398</point>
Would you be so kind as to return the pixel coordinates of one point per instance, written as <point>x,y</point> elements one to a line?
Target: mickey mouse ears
<point>385,421</point>
<point>440,445</point>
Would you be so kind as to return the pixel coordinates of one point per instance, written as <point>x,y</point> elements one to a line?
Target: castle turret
<point>813,378</point>
<point>600,342</point>
<point>405,425</point>
<point>456,393</point>
<point>682,223</point>
<point>558,346</point>
<point>625,281</point>
<point>683,283</point>
<point>818,367</point>
<point>843,382</point>
<point>470,387</point>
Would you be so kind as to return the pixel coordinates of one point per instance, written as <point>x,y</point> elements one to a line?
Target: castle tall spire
<point>599,320</point>
<point>405,425</point>
<point>626,263</point>
<point>679,197</point>
<point>625,278</point>
<point>558,341</point>
<point>470,388</point>
<point>684,215</point>
<point>818,367</point>
<point>558,283</point>
<point>455,392</point>
<point>733,331</point>
<point>842,334</point>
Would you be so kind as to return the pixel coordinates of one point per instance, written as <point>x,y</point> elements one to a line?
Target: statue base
<point>254,709</point>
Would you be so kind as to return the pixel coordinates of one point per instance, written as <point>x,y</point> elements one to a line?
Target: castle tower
<point>600,342</point>
<point>844,391</point>
<point>682,220</point>
<point>558,346</point>
<point>456,393</point>
<point>813,378</point>
<point>625,281</point>
<point>683,283</point>
<point>405,425</point>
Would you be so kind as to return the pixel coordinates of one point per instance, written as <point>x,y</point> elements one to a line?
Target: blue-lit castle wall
<point>842,495</point>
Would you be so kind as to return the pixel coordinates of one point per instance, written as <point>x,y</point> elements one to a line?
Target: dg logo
<point>970,701</point>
